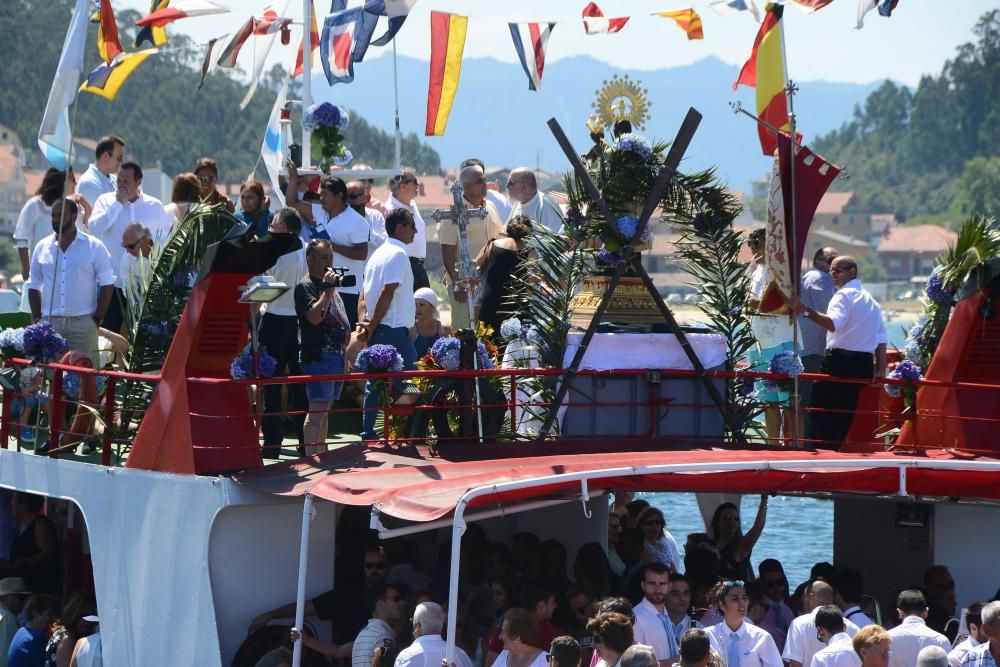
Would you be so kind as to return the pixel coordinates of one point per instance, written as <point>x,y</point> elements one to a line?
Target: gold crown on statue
<point>620,99</point>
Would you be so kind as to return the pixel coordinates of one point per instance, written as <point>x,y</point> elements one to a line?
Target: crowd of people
<point>627,604</point>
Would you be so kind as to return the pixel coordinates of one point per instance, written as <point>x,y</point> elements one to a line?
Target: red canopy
<point>422,489</point>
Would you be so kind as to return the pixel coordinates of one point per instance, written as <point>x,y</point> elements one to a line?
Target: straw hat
<point>13,586</point>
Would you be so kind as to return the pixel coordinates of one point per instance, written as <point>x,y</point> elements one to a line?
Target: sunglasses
<point>375,566</point>
<point>206,179</point>
<point>131,246</point>
<point>733,583</point>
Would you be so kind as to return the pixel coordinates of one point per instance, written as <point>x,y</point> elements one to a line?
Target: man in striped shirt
<point>386,604</point>
<point>986,654</point>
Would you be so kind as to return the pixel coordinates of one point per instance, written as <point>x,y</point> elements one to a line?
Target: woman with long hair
<point>253,208</point>
<point>70,628</point>
<point>733,546</point>
<point>207,171</point>
<point>186,191</point>
<point>659,544</point>
<point>742,644</point>
<point>501,263</point>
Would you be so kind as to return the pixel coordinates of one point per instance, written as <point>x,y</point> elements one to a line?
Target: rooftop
<point>918,238</point>
<point>834,203</point>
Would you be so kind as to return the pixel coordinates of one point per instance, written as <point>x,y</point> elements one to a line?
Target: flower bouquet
<point>380,358</point>
<point>327,122</point>
<point>785,363</point>
<point>910,372</point>
<point>242,367</point>
<point>11,342</point>
<point>41,341</point>
<point>511,329</point>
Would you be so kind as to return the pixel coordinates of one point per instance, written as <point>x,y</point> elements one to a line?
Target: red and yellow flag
<point>447,45</point>
<point>765,70</point>
<point>313,43</point>
<point>687,20</point>
<point>108,43</point>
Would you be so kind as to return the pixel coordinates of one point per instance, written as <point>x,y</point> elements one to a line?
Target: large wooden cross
<point>628,253</point>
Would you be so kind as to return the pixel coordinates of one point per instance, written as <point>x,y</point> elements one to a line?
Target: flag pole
<point>395,92</point>
<point>307,98</point>
<point>790,90</point>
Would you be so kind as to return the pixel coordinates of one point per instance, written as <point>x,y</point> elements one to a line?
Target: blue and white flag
<point>337,44</point>
<point>272,150</point>
<point>732,6</point>
<point>530,40</point>
<point>396,10</point>
<point>55,137</point>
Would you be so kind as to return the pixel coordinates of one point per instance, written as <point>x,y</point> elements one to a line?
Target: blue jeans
<point>399,337</point>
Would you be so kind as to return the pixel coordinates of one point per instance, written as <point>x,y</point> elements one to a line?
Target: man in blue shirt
<point>27,649</point>
<point>100,175</point>
<point>816,291</point>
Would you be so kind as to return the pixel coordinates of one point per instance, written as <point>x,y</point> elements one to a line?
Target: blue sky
<point>917,40</point>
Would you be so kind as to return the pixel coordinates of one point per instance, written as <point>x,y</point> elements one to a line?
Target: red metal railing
<point>875,408</point>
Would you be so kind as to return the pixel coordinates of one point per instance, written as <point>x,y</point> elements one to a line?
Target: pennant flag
<point>529,42</point>
<point>232,50</point>
<point>778,286</point>
<point>272,149</point>
<point>151,34</point>
<point>687,20</point>
<point>723,7</point>
<point>54,135</point>
<point>765,71</point>
<point>812,5</point>
<point>338,43</point>
<point>395,10</point>
<point>447,44</point>
<point>885,7</point>
<point>271,23</point>
<point>813,176</point>
<point>109,77</point>
<point>594,22</point>
<point>211,57</point>
<point>182,9</point>
<point>108,43</point>
<point>313,43</point>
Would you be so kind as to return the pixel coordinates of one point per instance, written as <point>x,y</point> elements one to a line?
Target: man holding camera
<point>324,330</point>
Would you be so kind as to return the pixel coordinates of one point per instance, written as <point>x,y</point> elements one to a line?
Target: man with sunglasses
<point>386,604</point>
<point>779,616</point>
<point>831,630</point>
<point>855,348</point>
<point>404,188</point>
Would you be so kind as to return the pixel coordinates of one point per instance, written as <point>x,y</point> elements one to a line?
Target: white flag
<point>211,53</point>
<point>864,6</point>
<point>55,138</point>
<point>272,150</point>
<point>268,26</point>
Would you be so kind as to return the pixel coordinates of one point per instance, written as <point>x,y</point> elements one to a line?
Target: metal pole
<point>300,593</point>
<point>307,98</point>
<point>457,530</point>
<point>397,165</point>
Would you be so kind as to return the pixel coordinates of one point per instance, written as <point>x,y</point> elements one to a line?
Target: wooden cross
<point>667,172</point>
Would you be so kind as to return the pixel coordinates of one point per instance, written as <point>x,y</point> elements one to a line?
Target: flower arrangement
<point>635,143</point>
<point>785,363</point>
<point>11,342</point>
<point>42,342</point>
<point>242,366</point>
<point>904,370</point>
<point>379,358</point>
<point>445,354</point>
<point>935,289</point>
<point>511,329</point>
<point>327,122</point>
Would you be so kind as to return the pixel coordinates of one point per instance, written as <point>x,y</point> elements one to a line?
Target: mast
<point>307,99</point>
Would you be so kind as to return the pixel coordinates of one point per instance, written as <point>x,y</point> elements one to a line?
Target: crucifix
<point>468,274</point>
<point>628,255</point>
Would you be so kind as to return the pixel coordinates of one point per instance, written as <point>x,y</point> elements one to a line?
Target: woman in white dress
<point>739,643</point>
<point>660,546</point>
<point>519,632</point>
<point>612,636</point>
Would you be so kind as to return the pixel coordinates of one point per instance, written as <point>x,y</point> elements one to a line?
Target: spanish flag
<point>108,43</point>
<point>313,43</point>
<point>765,70</point>
<point>155,35</point>
<point>687,20</point>
<point>109,77</point>
<point>447,45</point>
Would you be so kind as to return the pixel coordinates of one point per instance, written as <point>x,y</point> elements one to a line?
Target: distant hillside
<point>496,117</point>
<point>159,111</point>
<point>932,154</point>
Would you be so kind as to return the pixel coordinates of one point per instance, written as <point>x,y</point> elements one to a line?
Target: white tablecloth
<point>608,351</point>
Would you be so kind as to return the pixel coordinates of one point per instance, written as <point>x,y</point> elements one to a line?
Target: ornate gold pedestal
<point>631,303</point>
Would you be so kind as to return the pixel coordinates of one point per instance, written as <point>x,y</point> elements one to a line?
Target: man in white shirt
<point>387,607</point>
<point>135,266</point>
<point>279,333</point>
<point>404,188</point>
<point>389,308</point>
<point>987,654</point>
<point>342,225</point>
<point>71,282</point>
<point>479,231</point>
<point>114,211</point>
<point>912,634</point>
<point>803,642</point>
<point>932,656</point>
<point>695,648</point>
<point>529,201</point>
<point>99,178</point>
<point>428,648</point>
<point>839,651</point>
<point>855,348</point>
<point>678,605</point>
<point>652,624</point>
<point>974,622</point>
<point>850,588</point>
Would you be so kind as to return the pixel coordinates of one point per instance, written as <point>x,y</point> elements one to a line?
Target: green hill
<point>932,154</point>
<point>159,111</point>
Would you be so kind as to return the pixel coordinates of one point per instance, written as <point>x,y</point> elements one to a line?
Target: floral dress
<point>53,647</point>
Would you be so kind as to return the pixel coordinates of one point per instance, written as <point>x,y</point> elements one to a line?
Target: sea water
<point>799,531</point>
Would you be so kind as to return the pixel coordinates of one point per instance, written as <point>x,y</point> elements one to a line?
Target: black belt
<point>840,352</point>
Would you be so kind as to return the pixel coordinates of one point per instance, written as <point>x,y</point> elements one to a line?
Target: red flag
<point>595,23</point>
<point>813,175</point>
<point>108,43</point>
<point>313,44</point>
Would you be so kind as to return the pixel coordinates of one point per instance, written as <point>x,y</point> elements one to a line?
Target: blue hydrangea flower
<point>744,386</point>
<point>635,143</point>
<point>446,353</point>
<point>510,328</point>
<point>242,366</point>
<point>907,370</point>
<point>627,226</point>
<point>344,159</point>
<point>786,363</point>
<point>345,119</point>
<point>12,341</point>
<point>42,342</point>
<point>935,289</point>
<point>379,358</point>
<point>607,257</point>
<point>484,357</point>
<point>893,390</point>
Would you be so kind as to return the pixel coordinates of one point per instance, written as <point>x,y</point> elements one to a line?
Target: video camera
<point>343,280</point>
